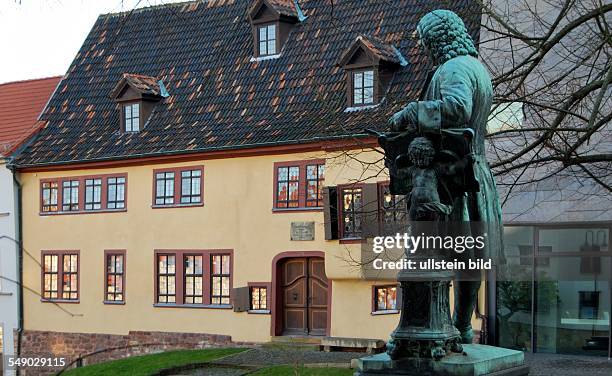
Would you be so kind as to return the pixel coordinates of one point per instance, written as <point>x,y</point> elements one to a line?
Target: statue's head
<point>421,152</point>
<point>444,35</point>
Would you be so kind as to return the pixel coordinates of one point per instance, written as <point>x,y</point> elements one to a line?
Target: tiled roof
<point>21,103</point>
<point>220,97</point>
<point>140,83</point>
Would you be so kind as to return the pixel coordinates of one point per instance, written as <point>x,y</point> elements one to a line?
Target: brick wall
<point>96,348</point>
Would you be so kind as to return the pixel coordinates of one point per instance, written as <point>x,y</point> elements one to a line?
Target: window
<point>299,184</point>
<point>363,88</point>
<point>132,117</point>
<point>393,210</point>
<point>93,194</point>
<point>115,193</point>
<point>70,194</point>
<point>178,187</point>
<point>589,305</point>
<point>60,275</point>
<point>315,174</point>
<point>191,181</point>
<point>352,205</point>
<point>385,298</point>
<point>166,278</point>
<point>220,279</point>
<point>259,296</point>
<point>201,277</point>
<point>267,40</point>
<point>194,279</point>
<point>115,276</point>
<point>164,191</point>
<point>50,276</point>
<point>49,196</point>
<point>287,195</point>
<point>84,194</point>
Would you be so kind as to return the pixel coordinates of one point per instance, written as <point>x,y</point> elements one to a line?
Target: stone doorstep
<point>356,343</point>
<point>328,365</point>
<point>479,360</point>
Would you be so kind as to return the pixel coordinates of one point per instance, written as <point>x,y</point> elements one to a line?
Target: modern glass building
<point>557,298</point>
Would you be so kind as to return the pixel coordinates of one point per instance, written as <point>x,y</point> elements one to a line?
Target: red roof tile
<point>20,104</point>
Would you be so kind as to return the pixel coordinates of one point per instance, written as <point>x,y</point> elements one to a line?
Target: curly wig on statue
<point>445,36</point>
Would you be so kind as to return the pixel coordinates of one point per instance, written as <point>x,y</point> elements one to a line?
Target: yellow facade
<point>237,214</point>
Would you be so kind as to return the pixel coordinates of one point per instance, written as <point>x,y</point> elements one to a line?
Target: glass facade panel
<point>514,291</point>
<point>561,284</point>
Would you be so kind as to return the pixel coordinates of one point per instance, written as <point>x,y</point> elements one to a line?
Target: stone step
<point>297,340</point>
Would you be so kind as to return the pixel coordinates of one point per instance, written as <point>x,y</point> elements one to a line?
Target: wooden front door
<point>304,296</point>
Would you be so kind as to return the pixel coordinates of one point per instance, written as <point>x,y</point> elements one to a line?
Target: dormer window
<point>131,118</point>
<point>137,95</point>
<point>370,64</point>
<point>272,21</point>
<point>363,88</point>
<point>267,40</point>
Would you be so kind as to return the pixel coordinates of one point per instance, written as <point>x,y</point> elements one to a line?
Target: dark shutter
<point>398,297</point>
<point>369,219</point>
<point>241,299</point>
<point>330,212</point>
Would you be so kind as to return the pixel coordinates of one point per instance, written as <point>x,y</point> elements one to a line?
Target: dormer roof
<point>146,86</point>
<point>377,49</point>
<point>286,8</point>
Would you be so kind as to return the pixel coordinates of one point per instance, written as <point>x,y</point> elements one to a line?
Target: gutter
<point>14,165</point>
<point>17,184</point>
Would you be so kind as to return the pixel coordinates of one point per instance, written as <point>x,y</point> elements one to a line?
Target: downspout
<point>19,260</point>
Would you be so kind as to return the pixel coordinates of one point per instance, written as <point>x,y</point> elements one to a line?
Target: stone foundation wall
<point>96,348</point>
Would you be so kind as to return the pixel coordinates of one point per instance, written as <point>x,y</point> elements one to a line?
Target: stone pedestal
<point>476,360</point>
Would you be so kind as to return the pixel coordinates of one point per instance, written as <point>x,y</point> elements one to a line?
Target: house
<point>175,196</point>
<point>20,105</point>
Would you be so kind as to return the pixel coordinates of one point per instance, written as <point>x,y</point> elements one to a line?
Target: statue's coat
<point>459,95</point>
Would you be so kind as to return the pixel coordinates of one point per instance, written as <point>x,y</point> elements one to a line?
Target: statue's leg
<point>465,302</point>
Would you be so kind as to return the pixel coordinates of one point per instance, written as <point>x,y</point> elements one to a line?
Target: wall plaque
<point>302,230</point>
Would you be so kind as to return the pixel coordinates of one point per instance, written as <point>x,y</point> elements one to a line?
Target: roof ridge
<point>31,80</point>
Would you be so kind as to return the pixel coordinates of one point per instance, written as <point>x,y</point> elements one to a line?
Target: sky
<point>39,38</point>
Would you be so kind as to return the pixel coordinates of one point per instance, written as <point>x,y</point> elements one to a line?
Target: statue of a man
<point>459,95</point>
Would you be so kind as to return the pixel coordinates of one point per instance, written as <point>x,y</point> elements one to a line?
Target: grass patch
<point>149,364</point>
<point>302,371</point>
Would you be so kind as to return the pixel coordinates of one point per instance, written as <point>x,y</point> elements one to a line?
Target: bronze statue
<point>457,98</point>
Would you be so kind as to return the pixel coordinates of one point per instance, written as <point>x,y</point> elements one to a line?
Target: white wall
<point>8,260</point>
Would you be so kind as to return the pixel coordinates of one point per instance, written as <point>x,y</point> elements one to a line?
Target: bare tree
<point>553,59</point>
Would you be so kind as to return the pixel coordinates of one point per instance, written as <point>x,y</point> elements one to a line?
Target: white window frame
<point>131,121</point>
<point>267,36</point>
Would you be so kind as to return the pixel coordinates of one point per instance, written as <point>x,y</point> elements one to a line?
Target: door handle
<point>295,296</point>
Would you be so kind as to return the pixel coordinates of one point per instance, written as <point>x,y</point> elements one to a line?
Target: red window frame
<point>375,308</point>
<point>382,186</point>
<point>108,253</point>
<point>302,185</point>
<point>60,275</point>
<point>178,181</point>
<point>260,285</point>
<point>81,198</point>
<point>341,189</point>
<point>179,274</point>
